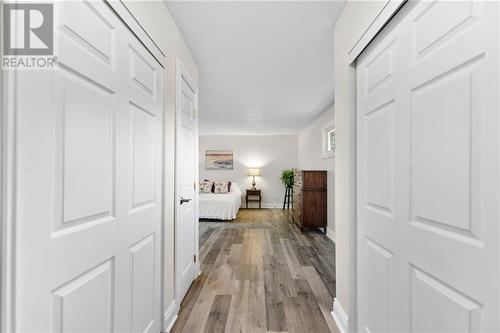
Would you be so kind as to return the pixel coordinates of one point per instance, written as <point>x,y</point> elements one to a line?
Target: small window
<point>328,134</point>
<point>331,140</point>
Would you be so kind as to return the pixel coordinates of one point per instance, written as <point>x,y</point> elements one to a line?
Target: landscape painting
<point>219,159</point>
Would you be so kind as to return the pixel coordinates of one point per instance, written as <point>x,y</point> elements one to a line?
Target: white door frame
<point>8,159</point>
<point>344,322</point>
<point>7,195</point>
<point>182,73</point>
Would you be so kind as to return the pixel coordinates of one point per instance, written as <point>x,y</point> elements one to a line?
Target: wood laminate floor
<point>260,274</point>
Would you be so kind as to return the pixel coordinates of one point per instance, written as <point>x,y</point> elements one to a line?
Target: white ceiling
<point>264,66</point>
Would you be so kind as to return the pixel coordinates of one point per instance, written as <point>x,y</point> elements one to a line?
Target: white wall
<point>270,153</point>
<point>310,150</point>
<point>159,24</point>
<point>354,21</point>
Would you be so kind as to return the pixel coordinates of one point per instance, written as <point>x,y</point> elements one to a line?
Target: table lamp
<point>253,172</point>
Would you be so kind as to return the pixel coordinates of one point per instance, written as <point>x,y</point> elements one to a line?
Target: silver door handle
<point>184,200</point>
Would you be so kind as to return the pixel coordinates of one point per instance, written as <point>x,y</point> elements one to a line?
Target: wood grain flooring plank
<point>310,311</point>
<point>216,248</point>
<point>303,254</point>
<point>294,321</point>
<point>207,245</point>
<point>324,273</point>
<point>317,286</point>
<point>189,302</point>
<point>275,312</point>
<point>237,316</point>
<point>217,318</point>
<point>291,259</point>
<point>256,319</point>
<point>269,245</point>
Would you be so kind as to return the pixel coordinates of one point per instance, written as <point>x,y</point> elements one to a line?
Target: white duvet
<point>220,206</point>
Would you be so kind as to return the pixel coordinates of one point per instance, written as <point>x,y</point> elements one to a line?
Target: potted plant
<point>287,177</point>
<point>287,180</point>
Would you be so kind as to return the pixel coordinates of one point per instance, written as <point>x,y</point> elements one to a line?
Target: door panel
<point>87,125</point>
<point>89,175</point>
<point>143,157</point>
<point>427,184</point>
<point>70,301</point>
<point>143,284</point>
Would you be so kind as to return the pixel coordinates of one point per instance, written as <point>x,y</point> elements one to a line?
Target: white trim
<point>264,205</point>
<point>340,317</point>
<point>384,16</point>
<point>163,228</point>
<point>247,132</point>
<point>183,74</point>
<point>325,153</point>
<point>170,316</point>
<point>8,199</point>
<point>330,233</point>
<point>181,71</point>
<point>122,11</point>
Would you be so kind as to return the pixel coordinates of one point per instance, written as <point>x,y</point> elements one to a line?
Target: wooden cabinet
<point>309,199</point>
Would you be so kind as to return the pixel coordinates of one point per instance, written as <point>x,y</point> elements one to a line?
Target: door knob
<point>184,200</point>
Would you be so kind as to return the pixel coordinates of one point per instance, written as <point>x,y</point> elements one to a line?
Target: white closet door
<point>89,180</point>
<point>428,174</point>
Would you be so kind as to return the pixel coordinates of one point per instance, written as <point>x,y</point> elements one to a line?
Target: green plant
<point>287,177</point>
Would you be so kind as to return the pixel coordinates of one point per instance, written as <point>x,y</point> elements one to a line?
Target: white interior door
<point>428,175</point>
<point>187,180</point>
<point>88,197</point>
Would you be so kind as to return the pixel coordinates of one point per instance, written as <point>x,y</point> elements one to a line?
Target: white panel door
<point>428,175</point>
<point>88,181</point>
<point>186,177</point>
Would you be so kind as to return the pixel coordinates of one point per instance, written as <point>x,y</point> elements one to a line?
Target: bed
<point>220,206</point>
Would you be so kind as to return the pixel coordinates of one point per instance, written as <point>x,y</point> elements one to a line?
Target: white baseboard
<point>340,317</point>
<point>330,234</point>
<point>170,316</point>
<point>264,205</point>
<point>270,205</point>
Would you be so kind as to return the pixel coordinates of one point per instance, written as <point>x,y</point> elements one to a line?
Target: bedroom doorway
<point>186,222</point>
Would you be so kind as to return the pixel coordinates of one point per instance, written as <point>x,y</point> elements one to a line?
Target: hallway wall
<point>159,24</point>
<point>270,153</point>
<point>310,143</point>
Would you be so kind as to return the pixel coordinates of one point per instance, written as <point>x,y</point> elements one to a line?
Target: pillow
<point>213,185</point>
<point>221,187</point>
<point>206,186</point>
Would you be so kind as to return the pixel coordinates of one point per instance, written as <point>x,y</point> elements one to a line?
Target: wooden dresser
<point>309,199</point>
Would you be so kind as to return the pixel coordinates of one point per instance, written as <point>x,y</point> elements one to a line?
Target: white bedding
<point>220,206</point>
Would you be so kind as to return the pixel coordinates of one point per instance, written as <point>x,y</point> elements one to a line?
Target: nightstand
<point>254,195</point>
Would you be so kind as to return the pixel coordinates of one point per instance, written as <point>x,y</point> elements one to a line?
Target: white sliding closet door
<point>428,174</point>
<point>88,165</point>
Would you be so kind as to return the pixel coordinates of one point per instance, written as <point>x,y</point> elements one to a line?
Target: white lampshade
<point>254,172</point>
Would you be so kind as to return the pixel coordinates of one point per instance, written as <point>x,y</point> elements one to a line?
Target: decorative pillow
<point>213,184</point>
<point>206,186</point>
<point>221,187</point>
